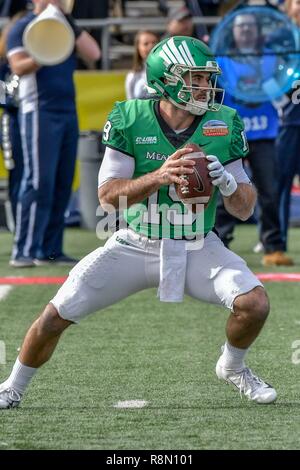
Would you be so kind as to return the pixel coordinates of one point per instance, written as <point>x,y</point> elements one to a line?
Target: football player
<point>164,244</point>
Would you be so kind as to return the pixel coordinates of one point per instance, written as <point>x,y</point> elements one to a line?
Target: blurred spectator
<point>49,131</point>
<point>288,141</point>
<point>163,6</point>
<point>261,125</point>
<point>135,82</point>
<point>226,5</point>
<point>10,131</point>
<point>196,10</point>
<point>210,7</point>
<point>276,3</point>
<point>12,7</point>
<point>204,7</point>
<point>292,8</point>
<point>180,23</point>
<point>91,9</point>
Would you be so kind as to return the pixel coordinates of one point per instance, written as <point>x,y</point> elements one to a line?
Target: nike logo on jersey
<point>202,145</point>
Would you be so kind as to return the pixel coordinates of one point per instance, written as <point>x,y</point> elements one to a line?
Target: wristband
<point>229,186</point>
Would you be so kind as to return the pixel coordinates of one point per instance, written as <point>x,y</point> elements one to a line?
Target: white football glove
<point>220,177</point>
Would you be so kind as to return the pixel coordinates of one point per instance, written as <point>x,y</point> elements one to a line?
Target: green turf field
<point>141,349</point>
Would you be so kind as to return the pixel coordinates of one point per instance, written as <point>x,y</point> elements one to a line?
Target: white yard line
<point>131,404</point>
<point>4,291</point>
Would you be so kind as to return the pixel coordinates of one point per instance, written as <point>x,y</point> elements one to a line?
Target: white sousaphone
<point>49,38</point>
<point>67,5</point>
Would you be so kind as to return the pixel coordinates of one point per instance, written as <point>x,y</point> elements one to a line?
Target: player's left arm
<point>238,193</point>
<point>242,202</point>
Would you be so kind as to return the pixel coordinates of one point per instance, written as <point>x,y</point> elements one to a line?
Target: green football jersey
<point>136,128</point>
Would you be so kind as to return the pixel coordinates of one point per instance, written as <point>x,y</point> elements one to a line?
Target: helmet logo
<point>171,54</point>
<point>212,64</point>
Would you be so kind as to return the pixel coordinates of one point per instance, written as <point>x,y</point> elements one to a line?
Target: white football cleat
<point>9,398</point>
<point>247,383</point>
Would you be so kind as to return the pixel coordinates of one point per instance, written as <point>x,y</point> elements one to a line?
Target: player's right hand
<point>174,167</point>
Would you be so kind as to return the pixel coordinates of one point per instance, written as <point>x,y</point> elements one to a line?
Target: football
<point>199,189</point>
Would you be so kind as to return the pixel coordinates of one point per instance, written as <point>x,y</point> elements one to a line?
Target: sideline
<point>10,280</point>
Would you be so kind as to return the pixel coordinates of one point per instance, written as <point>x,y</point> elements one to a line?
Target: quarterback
<point>164,244</point>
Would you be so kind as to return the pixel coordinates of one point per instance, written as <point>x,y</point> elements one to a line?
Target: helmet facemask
<point>184,97</point>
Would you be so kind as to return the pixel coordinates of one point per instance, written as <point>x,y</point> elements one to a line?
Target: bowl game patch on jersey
<point>215,128</point>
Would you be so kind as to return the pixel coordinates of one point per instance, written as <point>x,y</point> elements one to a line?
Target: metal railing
<point>128,25</point>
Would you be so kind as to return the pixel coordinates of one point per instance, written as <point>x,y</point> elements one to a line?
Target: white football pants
<point>130,262</point>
